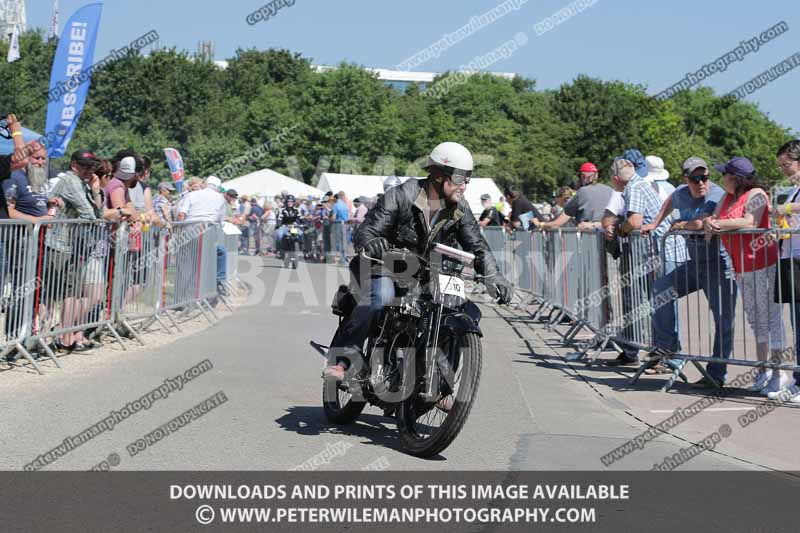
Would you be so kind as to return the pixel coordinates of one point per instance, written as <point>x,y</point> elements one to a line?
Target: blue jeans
<point>339,231</point>
<point>222,263</point>
<point>720,289</point>
<point>358,326</point>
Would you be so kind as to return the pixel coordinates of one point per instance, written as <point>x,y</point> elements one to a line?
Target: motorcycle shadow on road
<point>375,429</point>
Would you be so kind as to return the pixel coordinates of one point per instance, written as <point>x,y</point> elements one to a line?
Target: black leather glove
<point>376,247</point>
<point>499,289</point>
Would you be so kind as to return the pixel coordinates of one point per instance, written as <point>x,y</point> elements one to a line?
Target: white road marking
<point>711,409</point>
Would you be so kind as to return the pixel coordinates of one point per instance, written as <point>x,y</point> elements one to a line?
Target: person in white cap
<point>658,177</point>
<point>208,205</point>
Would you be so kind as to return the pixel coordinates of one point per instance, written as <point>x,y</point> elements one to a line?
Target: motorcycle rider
<point>289,215</point>
<point>415,215</point>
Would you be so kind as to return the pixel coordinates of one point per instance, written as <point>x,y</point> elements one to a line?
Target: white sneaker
<point>785,393</point>
<point>761,381</point>
<point>776,382</point>
<point>795,399</point>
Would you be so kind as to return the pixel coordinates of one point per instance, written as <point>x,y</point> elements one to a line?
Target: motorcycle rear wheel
<point>338,404</point>
<point>415,418</point>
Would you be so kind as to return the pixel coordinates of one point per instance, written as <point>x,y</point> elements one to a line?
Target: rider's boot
<point>343,360</point>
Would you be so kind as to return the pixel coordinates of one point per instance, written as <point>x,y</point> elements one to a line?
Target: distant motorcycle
<point>292,241</point>
<point>423,363</point>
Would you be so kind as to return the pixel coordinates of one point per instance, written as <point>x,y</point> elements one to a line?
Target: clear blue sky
<point>640,41</point>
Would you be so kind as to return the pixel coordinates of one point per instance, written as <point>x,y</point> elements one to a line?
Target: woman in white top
<point>789,273</point>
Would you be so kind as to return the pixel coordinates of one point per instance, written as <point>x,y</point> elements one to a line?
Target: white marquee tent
<point>370,186</point>
<point>269,183</point>
<point>353,185</point>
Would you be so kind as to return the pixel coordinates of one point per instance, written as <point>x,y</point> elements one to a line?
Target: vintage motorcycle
<point>292,241</point>
<point>424,361</point>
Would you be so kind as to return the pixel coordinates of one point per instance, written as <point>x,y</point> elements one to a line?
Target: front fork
<point>430,391</point>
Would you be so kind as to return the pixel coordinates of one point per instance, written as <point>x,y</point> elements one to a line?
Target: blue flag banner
<point>71,77</point>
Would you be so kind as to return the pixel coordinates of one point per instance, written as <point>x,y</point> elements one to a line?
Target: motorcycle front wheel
<point>427,428</point>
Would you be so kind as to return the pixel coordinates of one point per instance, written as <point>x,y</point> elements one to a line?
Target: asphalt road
<point>529,413</point>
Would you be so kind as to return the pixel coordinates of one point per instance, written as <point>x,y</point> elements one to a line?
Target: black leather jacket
<point>401,217</point>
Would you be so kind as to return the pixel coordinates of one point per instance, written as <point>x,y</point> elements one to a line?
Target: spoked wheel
<point>427,428</point>
<point>338,404</point>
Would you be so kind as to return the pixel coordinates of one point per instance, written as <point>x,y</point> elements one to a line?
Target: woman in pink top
<point>746,206</point>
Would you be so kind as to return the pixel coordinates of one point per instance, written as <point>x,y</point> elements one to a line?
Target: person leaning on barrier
<point>787,289</point>
<point>208,205</point>
<point>9,264</point>
<point>641,207</point>
<point>587,206</point>
<point>162,204</point>
<point>562,196</point>
<point>745,206</point>
<point>78,191</point>
<point>709,267</point>
<point>523,212</point>
<point>26,190</point>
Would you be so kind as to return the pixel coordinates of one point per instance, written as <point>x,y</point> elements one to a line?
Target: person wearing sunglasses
<point>709,267</point>
<point>415,215</point>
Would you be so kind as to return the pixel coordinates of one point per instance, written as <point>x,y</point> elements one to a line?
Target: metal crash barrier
<point>712,308</point>
<point>65,276</point>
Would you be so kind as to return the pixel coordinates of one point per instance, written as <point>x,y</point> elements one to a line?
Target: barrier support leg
<point>600,349</point>
<point>646,365</point>
<point>569,337</point>
<point>43,345</point>
<point>541,308</point>
<point>202,310</point>
<point>211,309</point>
<point>116,336</point>
<point>133,331</point>
<point>676,373</point>
<point>163,324</point>
<point>706,375</point>
<point>145,326</point>
<point>224,300</point>
<point>19,348</point>
<point>174,324</point>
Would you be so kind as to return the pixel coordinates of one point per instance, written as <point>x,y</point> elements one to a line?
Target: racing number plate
<point>294,231</point>
<point>452,285</point>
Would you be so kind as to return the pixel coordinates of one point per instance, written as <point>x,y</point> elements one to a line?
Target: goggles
<point>457,176</point>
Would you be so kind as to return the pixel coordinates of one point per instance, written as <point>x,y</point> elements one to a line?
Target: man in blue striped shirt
<point>642,205</point>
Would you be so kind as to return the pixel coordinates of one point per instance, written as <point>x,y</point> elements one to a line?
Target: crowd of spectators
<point>713,239</point>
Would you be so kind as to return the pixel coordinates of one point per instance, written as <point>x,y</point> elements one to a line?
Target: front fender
<point>466,321</point>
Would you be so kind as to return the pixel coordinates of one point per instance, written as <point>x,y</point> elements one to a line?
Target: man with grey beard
<point>26,190</point>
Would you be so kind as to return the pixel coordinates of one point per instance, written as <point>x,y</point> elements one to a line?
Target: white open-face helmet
<point>453,158</point>
<point>391,181</point>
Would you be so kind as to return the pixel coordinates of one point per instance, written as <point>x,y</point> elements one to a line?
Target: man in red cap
<point>587,206</point>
